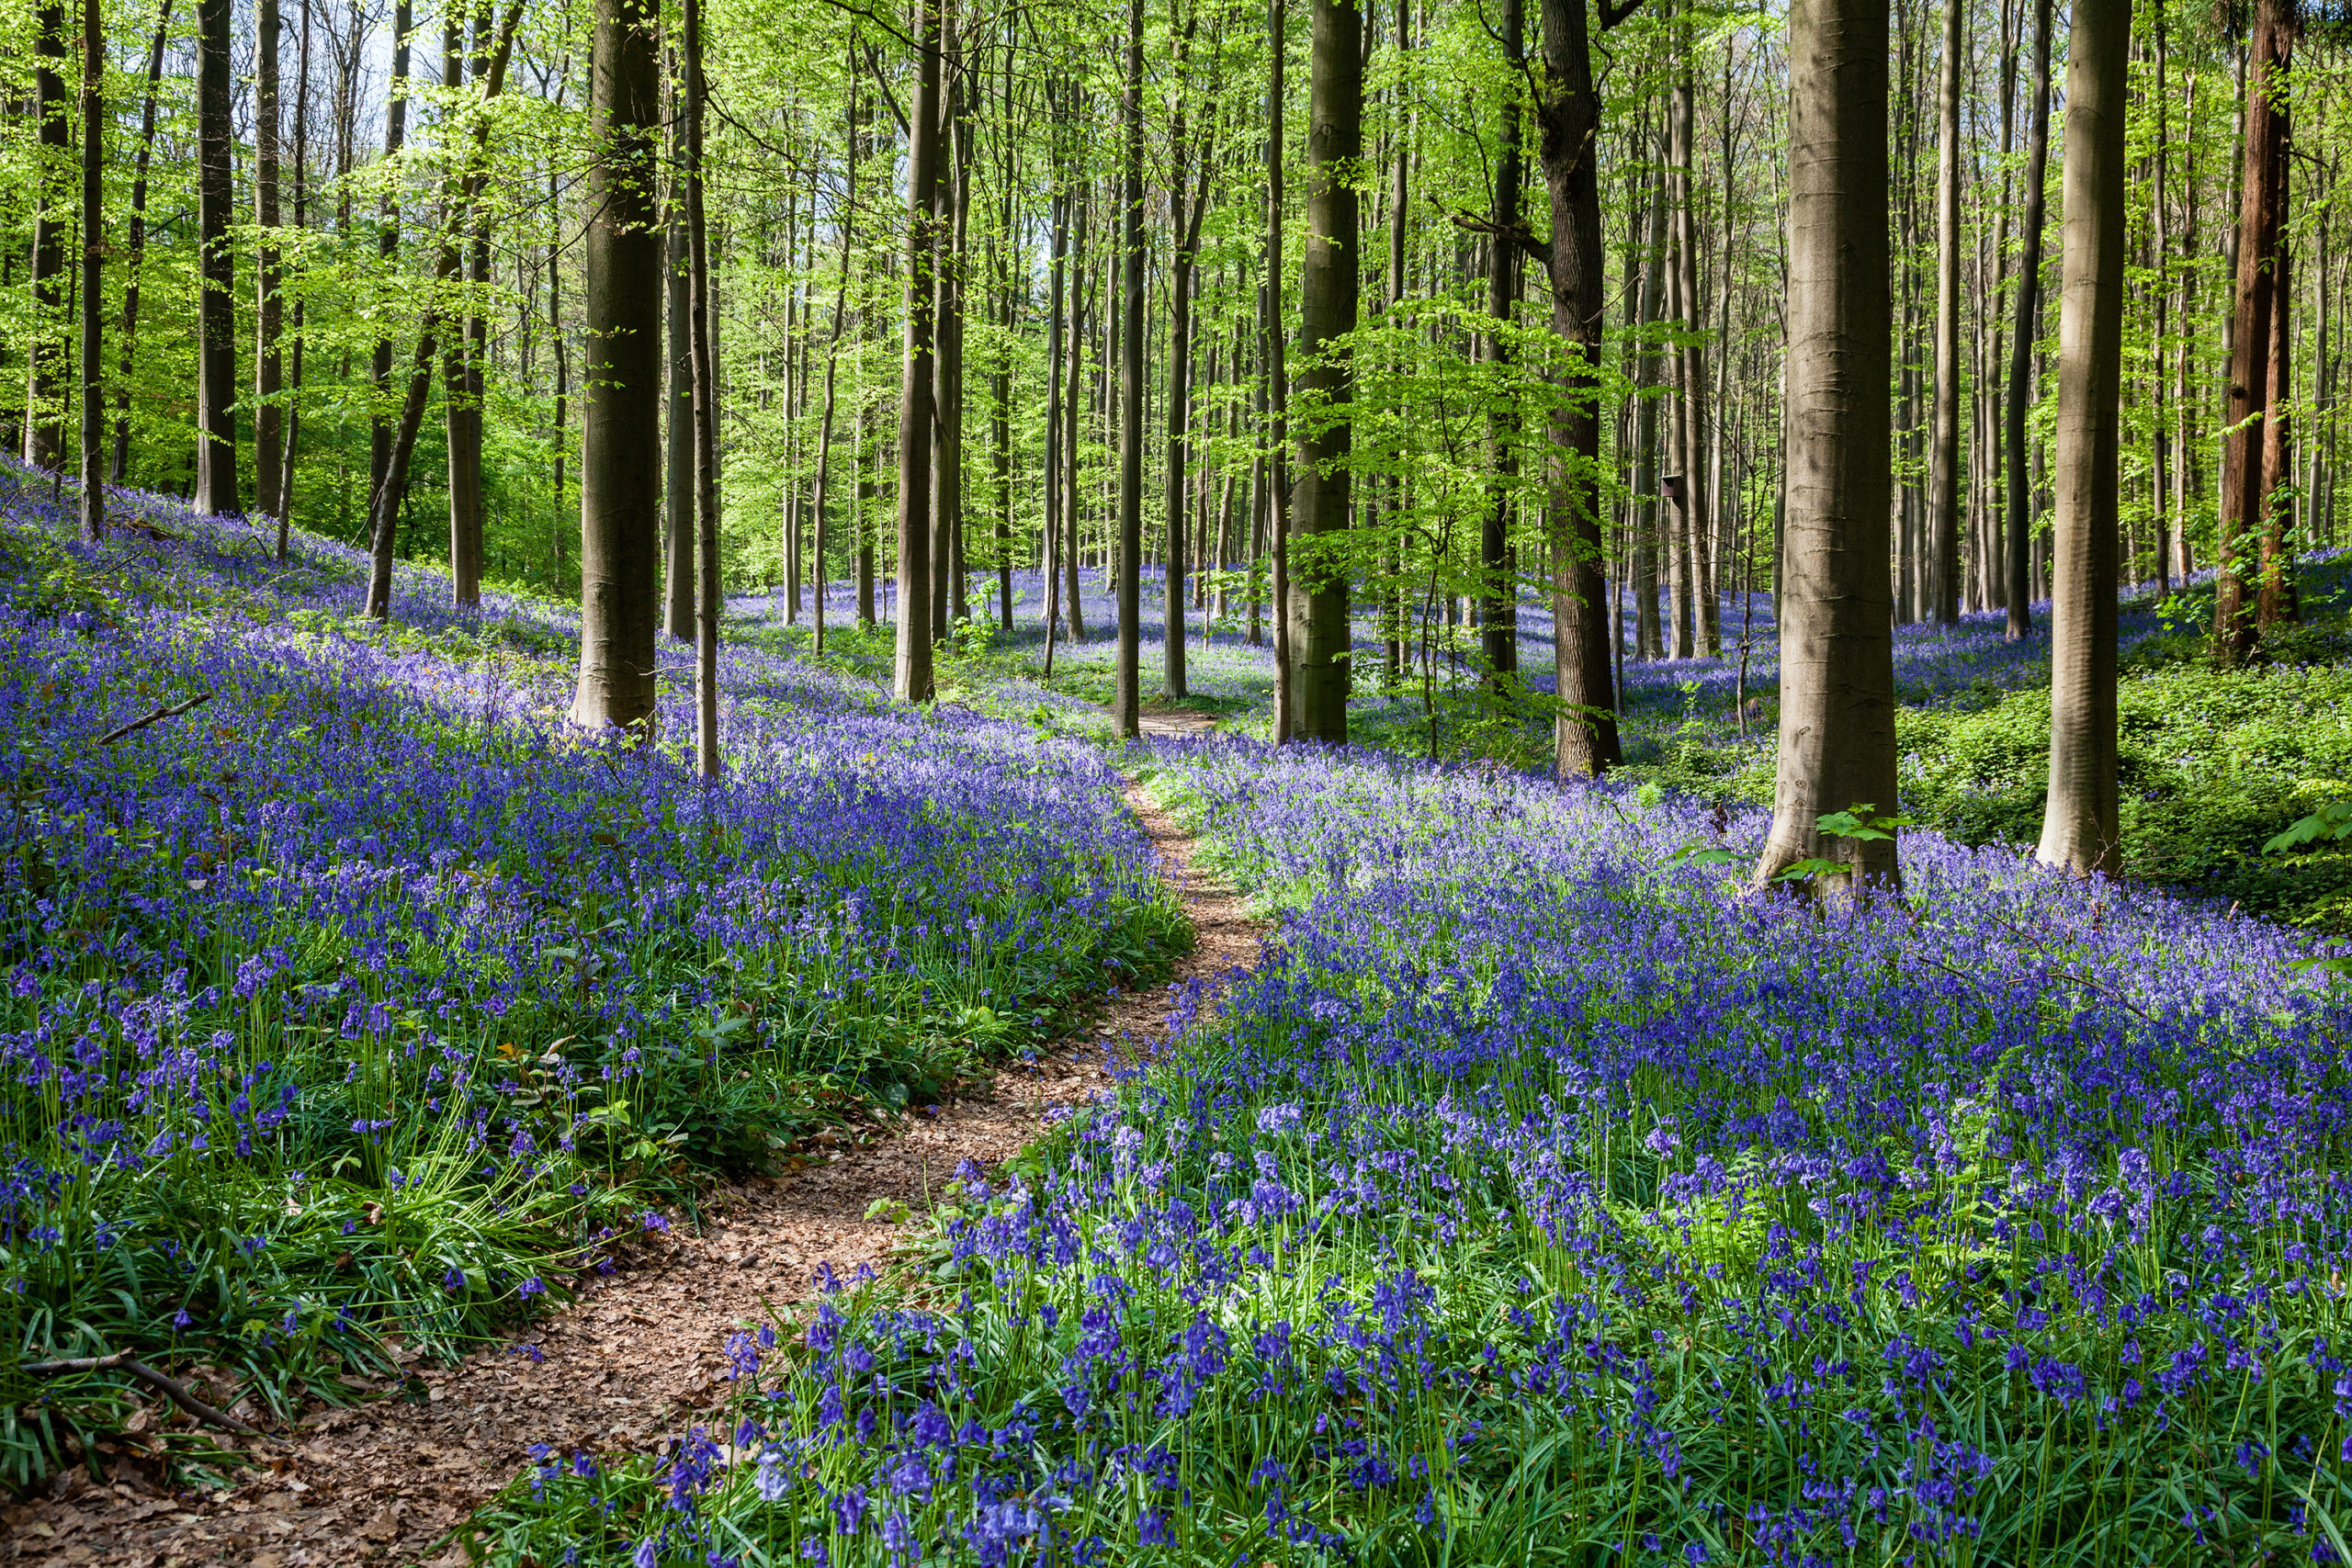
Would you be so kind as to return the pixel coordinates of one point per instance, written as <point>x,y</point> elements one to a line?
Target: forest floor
<point>640,1355</point>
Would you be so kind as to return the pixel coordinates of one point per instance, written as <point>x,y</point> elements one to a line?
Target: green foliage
<point>2213,765</point>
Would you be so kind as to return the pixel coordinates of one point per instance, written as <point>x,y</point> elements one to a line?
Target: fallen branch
<point>171,1388</point>
<point>119,730</point>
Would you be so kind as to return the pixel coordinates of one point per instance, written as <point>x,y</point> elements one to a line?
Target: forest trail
<point>640,1355</point>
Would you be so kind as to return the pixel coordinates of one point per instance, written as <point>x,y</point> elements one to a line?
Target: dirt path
<point>630,1363</point>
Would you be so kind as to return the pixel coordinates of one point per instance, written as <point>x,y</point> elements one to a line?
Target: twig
<point>171,1388</point>
<point>119,730</point>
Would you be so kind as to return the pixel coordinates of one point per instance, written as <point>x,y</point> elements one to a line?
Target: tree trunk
<point>301,220</point>
<point>845,220</point>
<point>1837,732</point>
<point>1184,219</point>
<point>911,673</point>
<point>678,423</point>
<point>620,492</point>
<point>45,354</point>
<point>1276,490</point>
<point>216,393</point>
<point>2017,533</point>
<point>137,242</point>
<point>1943,486</point>
<point>464,477</point>
<point>950,595</point>
<point>2081,826</point>
<point>1329,281</point>
<point>1073,400</point>
<point>1584,739</point>
<point>1498,641</point>
<point>705,418</point>
<point>93,251</point>
<point>268,370</point>
<point>1649,638</point>
<point>2247,475</point>
<point>1126,700</point>
<point>387,244</point>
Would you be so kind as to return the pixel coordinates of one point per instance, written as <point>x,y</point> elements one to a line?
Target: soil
<point>640,1355</point>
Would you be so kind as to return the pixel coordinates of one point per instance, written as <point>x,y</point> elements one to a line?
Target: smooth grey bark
<point>1649,640</point>
<point>216,389</point>
<point>950,591</point>
<point>268,306</point>
<point>678,420</point>
<point>2081,823</point>
<point>93,511</point>
<point>705,413</point>
<point>1584,738</point>
<point>845,220</point>
<point>1073,410</point>
<point>136,240</point>
<point>1836,731</point>
<point>2017,531</point>
<point>293,426</point>
<point>1499,595</point>
<point>1276,491</point>
<point>911,662</point>
<point>1126,699</point>
<point>2247,586</point>
<point>1328,282</point>
<point>1185,214</point>
<point>1943,483</point>
<point>44,443</point>
<point>619,491</point>
<point>387,244</point>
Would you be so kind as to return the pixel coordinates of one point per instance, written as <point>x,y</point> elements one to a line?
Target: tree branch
<point>171,1388</point>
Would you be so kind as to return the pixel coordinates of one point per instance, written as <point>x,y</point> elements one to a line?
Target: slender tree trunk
<point>268,317</point>
<point>216,466</point>
<point>1584,738</point>
<point>1127,701</point>
<point>2081,824</point>
<point>1185,222</point>
<point>1943,487</point>
<point>1498,639</point>
<point>1059,294</point>
<point>293,426</point>
<point>2017,533</point>
<point>2248,456</point>
<point>2188,488</point>
<point>1836,733</point>
<point>388,242</point>
<point>136,242</point>
<point>1649,639</point>
<point>93,236</point>
<point>950,591</point>
<point>1277,487</point>
<point>620,498</point>
<point>1073,400</point>
<point>1328,284</point>
<point>912,677</point>
<point>845,221</point>
<point>706,417</point>
<point>45,354</point>
<point>678,423</point>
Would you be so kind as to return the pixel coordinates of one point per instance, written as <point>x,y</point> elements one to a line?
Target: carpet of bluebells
<point>1545,1197</point>
<point>370,996</point>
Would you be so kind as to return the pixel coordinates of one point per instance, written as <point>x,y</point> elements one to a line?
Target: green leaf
<point>2332,822</point>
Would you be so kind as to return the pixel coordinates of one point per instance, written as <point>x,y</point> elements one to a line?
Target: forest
<point>1333,782</point>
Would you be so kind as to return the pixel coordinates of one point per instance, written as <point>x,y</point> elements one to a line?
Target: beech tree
<point>1330,277</point>
<point>619,490</point>
<point>1837,741</point>
<point>216,390</point>
<point>2081,828</point>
